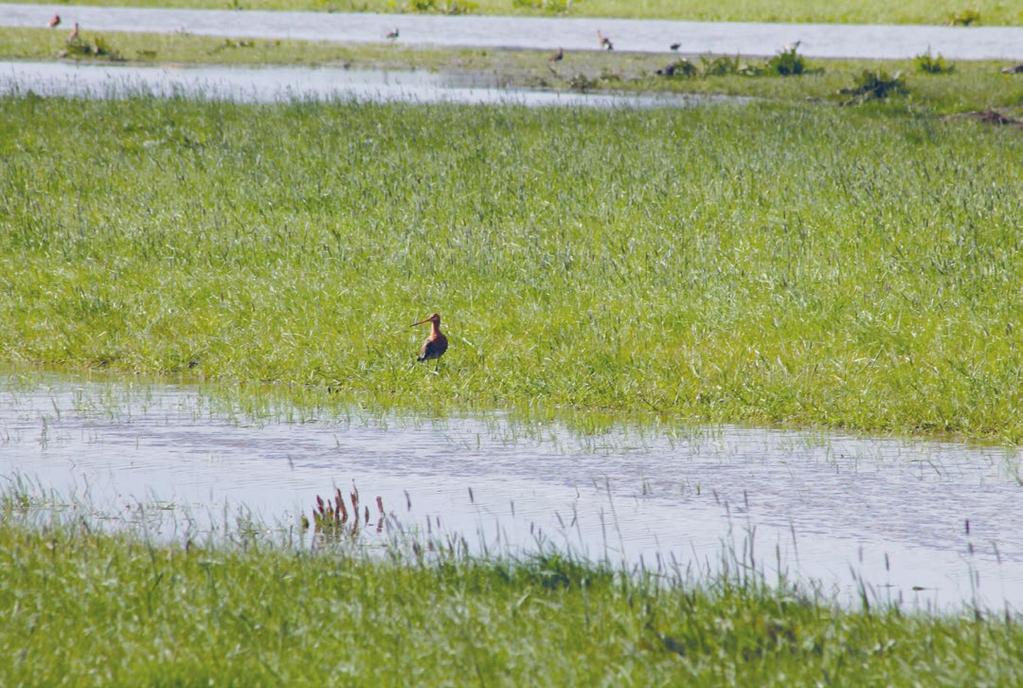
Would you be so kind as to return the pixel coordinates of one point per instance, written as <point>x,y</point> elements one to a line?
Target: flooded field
<point>270,84</point>
<point>817,40</point>
<point>932,525</point>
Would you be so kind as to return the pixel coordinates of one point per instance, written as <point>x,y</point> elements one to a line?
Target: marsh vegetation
<point>933,83</point>
<point>782,262</point>
<point>768,264</point>
<point>83,605</point>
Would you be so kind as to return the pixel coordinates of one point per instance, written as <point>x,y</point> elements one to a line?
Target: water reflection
<point>272,84</point>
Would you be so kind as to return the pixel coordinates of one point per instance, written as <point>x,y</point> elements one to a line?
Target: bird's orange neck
<point>434,330</point>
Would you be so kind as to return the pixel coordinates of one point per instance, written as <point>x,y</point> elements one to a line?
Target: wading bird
<point>73,36</point>
<point>605,42</point>
<point>393,35</point>
<point>54,21</point>
<point>557,56</point>
<point>675,46</point>
<point>436,344</point>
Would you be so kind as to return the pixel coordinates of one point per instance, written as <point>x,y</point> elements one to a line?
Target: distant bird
<point>73,36</point>
<point>681,67</point>
<point>436,344</point>
<point>1014,69</point>
<point>393,35</point>
<point>604,41</point>
<point>557,56</point>
<point>675,46</point>
<point>667,70</point>
<point>54,21</point>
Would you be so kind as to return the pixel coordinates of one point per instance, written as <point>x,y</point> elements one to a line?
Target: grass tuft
<point>441,7</point>
<point>681,68</point>
<point>933,64</point>
<point>875,85</point>
<point>545,6</point>
<point>787,62</point>
<point>966,17</point>
<point>94,47</point>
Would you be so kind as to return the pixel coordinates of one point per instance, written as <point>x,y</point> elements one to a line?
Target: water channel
<point>929,525</point>
<point>542,33</point>
<point>270,84</point>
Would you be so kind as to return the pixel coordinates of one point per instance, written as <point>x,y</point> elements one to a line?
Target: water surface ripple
<point>829,507</point>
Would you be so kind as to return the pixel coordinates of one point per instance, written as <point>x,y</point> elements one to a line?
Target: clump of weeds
<point>722,65</point>
<point>992,117</point>
<point>97,46</point>
<point>551,6</point>
<point>967,17</point>
<point>581,82</point>
<point>229,44</point>
<point>788,62</point>
<point>608,76</point>
<point>460,7</point>
<point>933,64</point>
<point>332,519</point>
<point>874,85</point>
<point>682,67</point>
<point>447,7</point>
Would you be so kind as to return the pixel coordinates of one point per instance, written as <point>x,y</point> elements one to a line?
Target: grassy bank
<point>84,608</point>
<point>801,265</point>
<point>970,86</point>
<point>974,12</point>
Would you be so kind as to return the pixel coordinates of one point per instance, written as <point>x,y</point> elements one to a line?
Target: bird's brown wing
<point>433,348</point>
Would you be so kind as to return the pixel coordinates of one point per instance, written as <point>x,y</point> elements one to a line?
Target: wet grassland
<point>797,264</point>
<point>82,605</point>
<point>932,82</point>
<point>795,261</point>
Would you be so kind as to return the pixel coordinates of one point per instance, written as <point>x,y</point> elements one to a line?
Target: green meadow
<point>963,12</point>
<point>795,260</point>
<point>80,606</point>
<point>790,264</point>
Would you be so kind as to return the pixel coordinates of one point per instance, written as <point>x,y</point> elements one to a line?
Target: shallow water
<point>270,84</point>
<point>818,40</point>
<point>829,508</point>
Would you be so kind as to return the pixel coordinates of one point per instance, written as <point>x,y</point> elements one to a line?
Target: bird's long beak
<point>421,322</point>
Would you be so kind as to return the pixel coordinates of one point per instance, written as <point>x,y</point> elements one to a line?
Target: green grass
<point>991,12</point>
<point>971,86</point>
<point>769,264</point>
<point>80,607</point>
